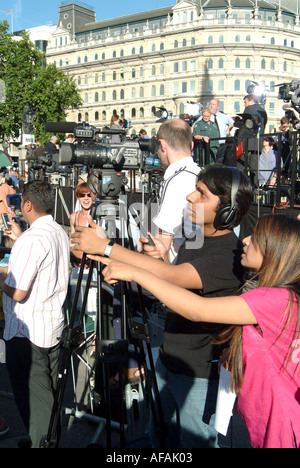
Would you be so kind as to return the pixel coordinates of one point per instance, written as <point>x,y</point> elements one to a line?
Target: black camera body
<point>90,150</point>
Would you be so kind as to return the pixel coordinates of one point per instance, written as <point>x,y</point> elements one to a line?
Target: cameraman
<point>175,152</point>
<point>186,374</point>
<point>254,143</point>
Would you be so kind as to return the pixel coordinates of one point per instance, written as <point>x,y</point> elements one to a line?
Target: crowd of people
<point>197,268</point>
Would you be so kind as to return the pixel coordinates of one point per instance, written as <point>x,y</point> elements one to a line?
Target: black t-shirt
<point>188,347</point>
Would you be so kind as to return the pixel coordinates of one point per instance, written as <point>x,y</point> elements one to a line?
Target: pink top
<point>270,398</point>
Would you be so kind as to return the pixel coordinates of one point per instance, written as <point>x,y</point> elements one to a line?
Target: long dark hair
<point>278,238</point>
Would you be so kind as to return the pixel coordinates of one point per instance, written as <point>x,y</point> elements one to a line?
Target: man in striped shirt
<point>35,287</point>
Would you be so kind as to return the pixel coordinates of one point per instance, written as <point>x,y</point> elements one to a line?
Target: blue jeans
<point>188,406</point>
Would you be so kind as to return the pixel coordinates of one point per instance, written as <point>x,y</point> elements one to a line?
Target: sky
<point>31,13</point>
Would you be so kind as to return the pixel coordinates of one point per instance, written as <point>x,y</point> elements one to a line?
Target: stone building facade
<point>189,52</point>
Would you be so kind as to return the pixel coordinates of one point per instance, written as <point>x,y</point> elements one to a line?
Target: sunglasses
<point>82,195</point>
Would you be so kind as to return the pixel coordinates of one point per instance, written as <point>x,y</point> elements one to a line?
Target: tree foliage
<point>29,81</point>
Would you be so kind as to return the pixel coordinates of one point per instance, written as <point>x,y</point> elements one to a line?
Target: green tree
<point>29,81</point>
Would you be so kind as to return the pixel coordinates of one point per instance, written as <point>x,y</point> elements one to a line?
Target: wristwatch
<point>108,249</point>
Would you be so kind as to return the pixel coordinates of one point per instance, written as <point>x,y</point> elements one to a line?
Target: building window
<point>209,85</point>
<point>153,91</point>
<point>237,107</point>
<point>272,65</point>
<point>221,85</point>
<point>272,108</point>
<point>237,85</point>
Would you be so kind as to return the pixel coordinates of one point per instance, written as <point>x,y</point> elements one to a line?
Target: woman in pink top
<point>265,341</point>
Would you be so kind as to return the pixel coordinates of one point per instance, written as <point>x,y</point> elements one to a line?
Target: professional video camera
<point>90,149</point>
<point>192,112</point>
<point>290,93</point>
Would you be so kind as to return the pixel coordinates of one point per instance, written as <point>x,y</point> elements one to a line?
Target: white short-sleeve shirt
<point>38,264</point>
<point>180,180</point>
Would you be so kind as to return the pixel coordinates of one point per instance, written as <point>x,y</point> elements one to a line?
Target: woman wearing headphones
<point>264,353</point>
<point>210,265</point>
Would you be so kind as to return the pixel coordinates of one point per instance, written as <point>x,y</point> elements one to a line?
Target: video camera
<point>290,93</point>
<point>192,112</point>
<point>90,149</point>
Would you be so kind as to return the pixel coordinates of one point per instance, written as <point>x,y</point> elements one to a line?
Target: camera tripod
<point>108,351</point>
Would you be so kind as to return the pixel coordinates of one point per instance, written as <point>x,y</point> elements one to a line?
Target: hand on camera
<point>155,251</point>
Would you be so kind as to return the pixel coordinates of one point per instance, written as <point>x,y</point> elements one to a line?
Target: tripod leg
<point>69,342</point>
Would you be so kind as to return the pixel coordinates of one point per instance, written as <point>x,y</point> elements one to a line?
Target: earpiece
<point>226,215</point>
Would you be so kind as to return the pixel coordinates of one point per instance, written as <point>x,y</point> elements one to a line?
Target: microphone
<point>60,127</point>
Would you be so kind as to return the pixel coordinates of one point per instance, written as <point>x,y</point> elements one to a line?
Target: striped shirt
<point>38,264</point>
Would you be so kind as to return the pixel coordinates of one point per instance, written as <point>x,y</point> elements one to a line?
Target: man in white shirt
<point>224,123</point>
<point>35,286</point>
<point>175,152</point>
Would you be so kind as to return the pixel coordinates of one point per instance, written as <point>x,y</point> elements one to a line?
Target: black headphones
<point>226,215</point>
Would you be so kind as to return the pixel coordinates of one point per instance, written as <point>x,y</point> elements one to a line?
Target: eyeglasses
<point>82,195</point>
